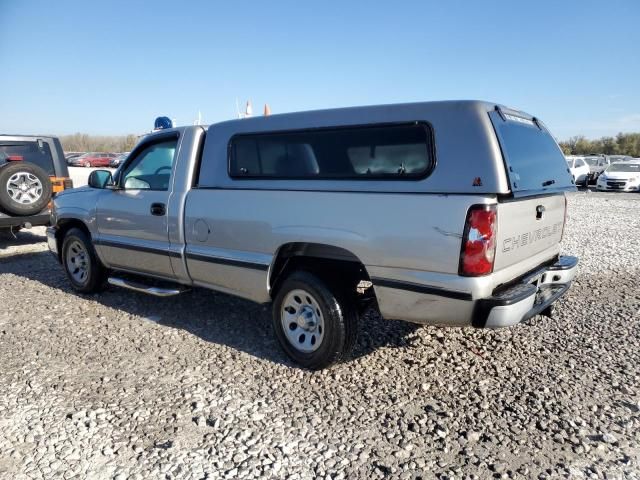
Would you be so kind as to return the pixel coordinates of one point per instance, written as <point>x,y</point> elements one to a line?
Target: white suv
<point>579,170</point>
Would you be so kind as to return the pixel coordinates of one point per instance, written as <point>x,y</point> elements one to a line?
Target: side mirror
<point>100,179</point>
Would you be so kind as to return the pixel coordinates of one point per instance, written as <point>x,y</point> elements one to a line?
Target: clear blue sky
<point>111,67</point>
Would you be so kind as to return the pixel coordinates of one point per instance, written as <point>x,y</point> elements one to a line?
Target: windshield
<point>591,161</point>
<point>534,160</point>
<point>624,167</point>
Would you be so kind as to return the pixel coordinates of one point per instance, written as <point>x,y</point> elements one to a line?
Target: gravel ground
<point>121,385</point>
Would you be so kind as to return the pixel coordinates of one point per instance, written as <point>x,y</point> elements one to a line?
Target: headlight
<point>602,179</point>
<point>634,181</point>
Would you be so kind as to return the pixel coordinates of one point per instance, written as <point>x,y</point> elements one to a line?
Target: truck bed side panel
<point>244,229</point>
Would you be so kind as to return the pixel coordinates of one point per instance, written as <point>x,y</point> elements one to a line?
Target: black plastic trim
<point>508,198</point>
<point>34,220</point>
<point>137,248</point>
<point>565,262</point>
<point>227,261</point>
<point>196,177</point>
<point>337,190</point>
<point>516,294</point>
<point>418,288</point>
<point>513,295</point>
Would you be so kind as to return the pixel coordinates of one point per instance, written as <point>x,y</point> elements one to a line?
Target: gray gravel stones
<point>121,385</point>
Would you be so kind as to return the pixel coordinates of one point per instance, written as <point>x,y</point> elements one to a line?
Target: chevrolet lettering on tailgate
<point>527,238</point>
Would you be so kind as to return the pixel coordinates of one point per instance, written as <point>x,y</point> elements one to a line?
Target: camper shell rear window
<point>533,159</point>
<point>395,151</point>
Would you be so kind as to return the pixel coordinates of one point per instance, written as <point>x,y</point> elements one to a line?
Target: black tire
<point>96,274</point>
<point>8,177</point>
<point>339,317</point>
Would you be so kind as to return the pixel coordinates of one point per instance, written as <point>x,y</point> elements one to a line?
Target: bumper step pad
<point>524,300</point>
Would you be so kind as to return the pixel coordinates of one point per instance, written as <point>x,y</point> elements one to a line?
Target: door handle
<point>158,209</point>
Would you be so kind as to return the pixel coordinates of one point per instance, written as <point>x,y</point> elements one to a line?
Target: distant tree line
<point>621,144</point>
<point>81,142</point>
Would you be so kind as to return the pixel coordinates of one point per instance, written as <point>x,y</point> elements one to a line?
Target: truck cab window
<point>151,169</point>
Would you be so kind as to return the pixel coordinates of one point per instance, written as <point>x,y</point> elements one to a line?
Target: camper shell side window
<point>397,151</point>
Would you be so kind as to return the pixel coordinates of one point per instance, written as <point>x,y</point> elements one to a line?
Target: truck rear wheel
<point>81,264</point>
<point>315,325</point>
<point>25,188</point>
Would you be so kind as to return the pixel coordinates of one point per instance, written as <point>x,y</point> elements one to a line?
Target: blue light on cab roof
<point>161,123</point>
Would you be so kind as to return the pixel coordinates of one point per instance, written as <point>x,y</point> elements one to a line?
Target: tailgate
<point>526,227</point>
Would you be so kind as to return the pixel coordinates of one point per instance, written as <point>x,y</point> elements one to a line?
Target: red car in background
<point>92,159</point>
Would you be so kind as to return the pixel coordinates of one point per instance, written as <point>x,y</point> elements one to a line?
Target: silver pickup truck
<point>442,213</point>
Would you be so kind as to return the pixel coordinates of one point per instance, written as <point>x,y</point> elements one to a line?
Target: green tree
<point>621,144</point>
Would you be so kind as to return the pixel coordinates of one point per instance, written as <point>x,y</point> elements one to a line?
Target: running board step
<point>141,287</point>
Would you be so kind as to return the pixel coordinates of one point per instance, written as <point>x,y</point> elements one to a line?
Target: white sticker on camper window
<point>518,119</point>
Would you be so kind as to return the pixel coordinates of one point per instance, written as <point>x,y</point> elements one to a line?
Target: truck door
<point>132,220</point>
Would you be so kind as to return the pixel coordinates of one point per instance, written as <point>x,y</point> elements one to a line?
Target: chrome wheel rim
<point>302,321</point>
<point>78,264</point>
<point>24,188</point>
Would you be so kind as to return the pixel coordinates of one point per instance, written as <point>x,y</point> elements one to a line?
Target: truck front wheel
<point>83,268</point>
<point>315,325</point>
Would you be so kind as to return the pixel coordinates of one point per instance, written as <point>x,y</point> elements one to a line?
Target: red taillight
<point>479,241</point>
<point>15,158</point>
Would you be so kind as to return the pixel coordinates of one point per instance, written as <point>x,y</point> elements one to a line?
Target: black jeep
<point>32,170</point>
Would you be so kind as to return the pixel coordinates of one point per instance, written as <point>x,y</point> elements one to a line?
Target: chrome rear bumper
<point>532,295</point>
